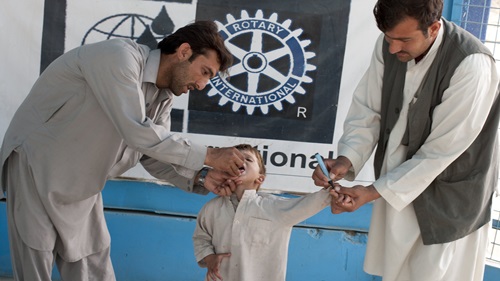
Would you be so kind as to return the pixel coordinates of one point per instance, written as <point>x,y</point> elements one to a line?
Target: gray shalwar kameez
<point>92,114</point>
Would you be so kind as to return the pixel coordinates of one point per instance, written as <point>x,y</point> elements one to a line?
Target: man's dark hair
<point>202,36</point>
<point>389,13</point>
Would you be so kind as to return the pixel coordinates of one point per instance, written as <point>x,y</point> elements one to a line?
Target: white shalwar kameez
<point>256,232</point>
<point>395,249</point>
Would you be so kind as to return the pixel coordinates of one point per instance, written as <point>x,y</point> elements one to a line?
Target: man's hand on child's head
<point>228,159</point>
<point>213,262</point>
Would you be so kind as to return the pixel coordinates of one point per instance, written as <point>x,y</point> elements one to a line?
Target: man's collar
<point>438,40</point>
<point>434,47</point>
<point>152,65</point>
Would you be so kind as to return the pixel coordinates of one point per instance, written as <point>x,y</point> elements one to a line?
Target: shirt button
<point>147,104</point>
<point>236,222</point>
<point>396,110</point>
<point>387,131</point>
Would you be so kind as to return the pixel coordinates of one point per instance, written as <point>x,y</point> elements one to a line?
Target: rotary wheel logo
<point>270,63</point>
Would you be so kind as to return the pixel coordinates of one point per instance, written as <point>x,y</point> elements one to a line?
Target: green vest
<point>458,201</point>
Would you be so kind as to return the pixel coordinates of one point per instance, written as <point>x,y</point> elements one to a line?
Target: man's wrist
<point>374,192</point>
<point>201,178</point>
<point>345,161</point>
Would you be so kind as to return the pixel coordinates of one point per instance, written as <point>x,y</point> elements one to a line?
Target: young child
<point>245,236</point>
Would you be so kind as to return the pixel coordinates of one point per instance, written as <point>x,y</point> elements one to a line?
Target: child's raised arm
<point>290,211</point>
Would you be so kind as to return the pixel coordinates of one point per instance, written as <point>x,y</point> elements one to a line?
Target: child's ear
<point>261,179</point>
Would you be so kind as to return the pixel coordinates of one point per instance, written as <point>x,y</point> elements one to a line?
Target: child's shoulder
<point>214,205</point>
<point>217,200</point>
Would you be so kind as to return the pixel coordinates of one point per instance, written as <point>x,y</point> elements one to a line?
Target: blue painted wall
<point>448,4</point>
<point>151,227</point>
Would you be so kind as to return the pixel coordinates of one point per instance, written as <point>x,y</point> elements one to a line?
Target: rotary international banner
<point>296,66</point>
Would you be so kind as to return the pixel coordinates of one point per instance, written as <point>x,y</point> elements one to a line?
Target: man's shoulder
<point>119,47</point>
<point>116,42</point>
<point>462,40</point>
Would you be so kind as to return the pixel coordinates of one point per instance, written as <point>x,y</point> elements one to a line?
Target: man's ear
<point>434,28</point>
<point>184,51</point>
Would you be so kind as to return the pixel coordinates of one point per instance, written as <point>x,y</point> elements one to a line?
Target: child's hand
<point>220,183</point>
<point>350,199</point>
<point>213,262</point>
<point>338,204</point>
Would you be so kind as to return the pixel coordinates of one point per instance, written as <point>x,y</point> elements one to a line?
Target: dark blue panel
<point>496,224</point>
<point>491,273</point>
<point>475,15</point>
<point>5,264</point>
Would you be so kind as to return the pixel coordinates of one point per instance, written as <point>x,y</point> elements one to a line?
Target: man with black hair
<point>95,112</point>
<point>428,107</point>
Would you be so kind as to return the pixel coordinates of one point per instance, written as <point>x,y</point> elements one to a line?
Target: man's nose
<point>395,46</point>
<point>202,83</point>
